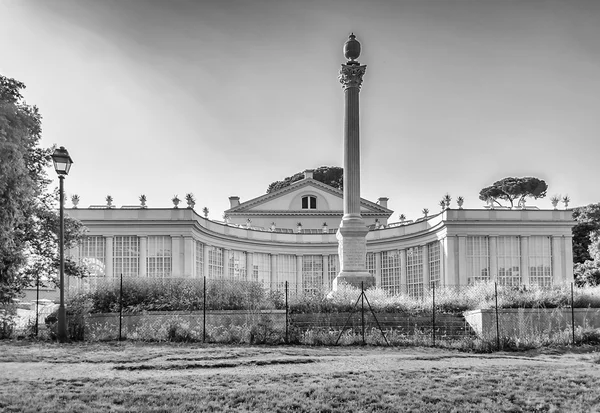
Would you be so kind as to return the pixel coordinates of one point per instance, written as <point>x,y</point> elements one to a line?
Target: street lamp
<point>62,164</point>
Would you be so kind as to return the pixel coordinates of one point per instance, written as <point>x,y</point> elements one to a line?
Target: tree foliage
<point>511,189</point>
<point>28,217</point>
<point>586,244</point>
<point>330,175</point>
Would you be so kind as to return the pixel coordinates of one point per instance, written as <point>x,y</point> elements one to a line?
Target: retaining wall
<point>524,321</point>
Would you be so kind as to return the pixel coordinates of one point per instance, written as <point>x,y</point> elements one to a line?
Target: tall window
<point>414,271</point>
<point>478,259</point>
<point>286,270</point>
<point>334,268</point>
<point>312,273</point>
<point>540,261</point>
<point>261,267</point>
<point>435,275</point>
<point>237,265</point>
<point>371,263</point>
<point>509,261</point>
<point>92,254</point>
<point>126,256</point>
<point>158,257</point>
<point>199,259</point>
<point>390,271</point>
<point>309,202</point>
<point>215,262</point>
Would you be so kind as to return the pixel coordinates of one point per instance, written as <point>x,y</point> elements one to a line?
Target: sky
<point>221,98</point>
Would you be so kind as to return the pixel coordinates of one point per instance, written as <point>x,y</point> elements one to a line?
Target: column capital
<point>352,76</point>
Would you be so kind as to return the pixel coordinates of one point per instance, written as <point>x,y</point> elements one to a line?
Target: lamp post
<point>62,164</point>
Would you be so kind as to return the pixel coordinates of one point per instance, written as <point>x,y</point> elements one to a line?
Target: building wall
<point>456,247</point>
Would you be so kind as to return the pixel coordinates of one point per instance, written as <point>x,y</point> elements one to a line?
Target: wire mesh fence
<point>487,315</point>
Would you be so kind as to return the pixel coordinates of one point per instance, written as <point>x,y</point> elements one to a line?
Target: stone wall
<point>521,322</point>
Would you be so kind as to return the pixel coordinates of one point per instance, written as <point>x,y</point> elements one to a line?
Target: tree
<point>588,221</point>
<point>586,244</point>
<point>330,175</point>
<point>28,217</point>
<point>510,189</point>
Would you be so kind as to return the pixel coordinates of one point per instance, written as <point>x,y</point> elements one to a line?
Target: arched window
<point>309,202</point>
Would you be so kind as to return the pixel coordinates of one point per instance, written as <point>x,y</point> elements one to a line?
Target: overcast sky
<point>221,98</point>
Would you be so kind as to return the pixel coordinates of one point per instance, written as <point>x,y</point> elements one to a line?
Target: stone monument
<point>352,244</point>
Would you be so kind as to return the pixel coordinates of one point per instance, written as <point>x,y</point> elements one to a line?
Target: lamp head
<point>62,161</point>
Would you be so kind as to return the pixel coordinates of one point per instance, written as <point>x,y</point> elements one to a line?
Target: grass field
<point>135,377</point>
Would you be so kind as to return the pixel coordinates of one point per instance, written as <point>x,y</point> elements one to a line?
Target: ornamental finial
<point>352,49</point>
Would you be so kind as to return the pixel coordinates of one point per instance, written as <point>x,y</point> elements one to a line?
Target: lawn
<point>142,377</point>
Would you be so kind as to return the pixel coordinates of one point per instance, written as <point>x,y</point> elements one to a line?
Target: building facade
<point>454,247</point>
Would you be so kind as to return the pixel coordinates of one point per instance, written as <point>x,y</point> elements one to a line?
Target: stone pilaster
<point>525,259</point>
<point>143,256</point>
<point>425,259</point>
<point>568,262</point>
<point>274,278</point>
<point>108,257</point>
<point>493,257</point>
<point>205,261</point>
<point>557,268</point>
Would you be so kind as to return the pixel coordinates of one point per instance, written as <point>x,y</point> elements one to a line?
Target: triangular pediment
<point>289,199</point>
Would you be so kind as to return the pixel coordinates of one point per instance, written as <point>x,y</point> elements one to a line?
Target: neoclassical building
<point>454,247</point>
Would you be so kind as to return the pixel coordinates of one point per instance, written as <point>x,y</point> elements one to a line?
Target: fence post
<point>433,313</point>
<point>497,326</point>
<point>573,313</point>
<point>37,303</point>
<point>204,311</point>
<point>121,307</point>
<point>362,310</point>
<point>286,312</point>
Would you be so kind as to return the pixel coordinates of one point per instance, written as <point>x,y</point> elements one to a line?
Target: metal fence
<point>486,316</point>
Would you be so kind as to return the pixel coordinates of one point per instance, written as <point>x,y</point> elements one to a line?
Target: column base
<point>355,279</point>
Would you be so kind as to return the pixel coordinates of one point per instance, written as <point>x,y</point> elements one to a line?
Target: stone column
<point>325,272</point>
<point>377,268</point>
<point>189,261</point>
<point>205,261</point>
<point>108,265</point>
<point>451,261</point>
<point>352,245</point>
<point>175,256</point>
<point>274,278</point>
<point>493,258</point>
<point>403,281</point>
<point>568,263</point>
<point>226,257</point>
<point>557,267</point>
<point>425,259</point>
<point>442,264</point>
<point>250,267</point>
<point>463,278</point>
<point>525,259</point>
<point>298,286</point>
<point>143,256</point>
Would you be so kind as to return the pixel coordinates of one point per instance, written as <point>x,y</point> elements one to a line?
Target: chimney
<point>234,201</point>
<point>308,174</point>
<point>383,202</point>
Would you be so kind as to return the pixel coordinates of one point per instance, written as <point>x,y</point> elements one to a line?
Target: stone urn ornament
<point>75,201</point>
<point>191,201</point>
<point>142,199</point>
<point>109,201</point>
<point>566,201</point>
<point>460,200</point>
<point>555,200</point>
<point>176,201</point>
<point>447,199</point>
<point>299,227</point>
<point>325,229</point>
